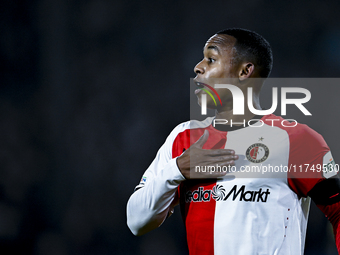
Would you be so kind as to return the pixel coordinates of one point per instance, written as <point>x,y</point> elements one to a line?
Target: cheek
<point>224,94</point>
<point>215,72</point>
<point>227,71</point>
<point>218,74</point>
<point>221,70</point>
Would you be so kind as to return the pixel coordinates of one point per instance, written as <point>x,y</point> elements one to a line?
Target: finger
<point>202,140</point>
<point>221,152</point>
<point>222,159</point>
<point>209,175</point>
<point>211,160</point>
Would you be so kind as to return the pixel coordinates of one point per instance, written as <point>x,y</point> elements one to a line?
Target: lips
<point>197,91</point>
<point>199,84</point>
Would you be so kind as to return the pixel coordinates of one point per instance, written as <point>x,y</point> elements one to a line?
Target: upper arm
<point>312,161</point>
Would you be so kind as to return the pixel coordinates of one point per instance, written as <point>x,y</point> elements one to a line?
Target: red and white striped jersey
<point>261,207</point>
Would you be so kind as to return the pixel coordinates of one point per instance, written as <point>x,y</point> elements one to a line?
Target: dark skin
<point>218,53</point>
<point>217,63</point>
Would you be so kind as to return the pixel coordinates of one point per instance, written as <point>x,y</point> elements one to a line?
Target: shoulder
<point>184,134</point>
<point>297,132</point>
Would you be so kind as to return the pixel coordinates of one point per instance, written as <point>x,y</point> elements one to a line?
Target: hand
<point>195,156</point>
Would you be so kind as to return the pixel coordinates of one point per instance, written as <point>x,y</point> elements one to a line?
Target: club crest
<point>257,153</point>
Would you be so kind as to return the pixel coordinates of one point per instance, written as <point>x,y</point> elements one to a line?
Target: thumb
<point>201,141</point>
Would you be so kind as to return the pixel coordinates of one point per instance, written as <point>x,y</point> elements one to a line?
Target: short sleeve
<point>310,160</point>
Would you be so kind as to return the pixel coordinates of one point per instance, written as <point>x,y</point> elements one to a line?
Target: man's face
<point>216,64</point>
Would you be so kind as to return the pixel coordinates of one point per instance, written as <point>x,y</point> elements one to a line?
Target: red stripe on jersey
<point>198,215</point>
<point>199,218</point>
<point>306,146</point>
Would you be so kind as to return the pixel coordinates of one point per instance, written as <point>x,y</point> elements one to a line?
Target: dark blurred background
<point>90,89</point>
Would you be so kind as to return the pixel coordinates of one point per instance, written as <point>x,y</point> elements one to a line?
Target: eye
<point>211,60</point>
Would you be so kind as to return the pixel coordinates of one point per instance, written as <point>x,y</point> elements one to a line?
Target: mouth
<point>201,89</point>
<point>200,84</point>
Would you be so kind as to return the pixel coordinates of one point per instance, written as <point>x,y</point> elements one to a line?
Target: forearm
<point>148,207</point>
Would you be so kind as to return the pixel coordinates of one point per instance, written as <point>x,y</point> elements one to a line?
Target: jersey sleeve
<point>154,196</point>
<point>318,177</point>
<point>310,160</point>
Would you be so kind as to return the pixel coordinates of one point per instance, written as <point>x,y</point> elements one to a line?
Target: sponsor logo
<point>257,153</point>
<point>143,180</point>
<point>218,193</point>
<point>329,167</point>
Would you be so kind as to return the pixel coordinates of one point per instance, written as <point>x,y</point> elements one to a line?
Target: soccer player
<point>223,212</point>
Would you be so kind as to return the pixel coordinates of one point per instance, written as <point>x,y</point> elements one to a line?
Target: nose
<point>199,69</point>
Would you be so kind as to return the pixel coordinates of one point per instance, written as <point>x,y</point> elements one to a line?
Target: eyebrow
<point>213,47</point>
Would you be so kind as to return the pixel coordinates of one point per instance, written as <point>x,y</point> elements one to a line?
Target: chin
<point>199,101</point>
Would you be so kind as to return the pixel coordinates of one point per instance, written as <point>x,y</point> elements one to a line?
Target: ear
<point>247,69</point>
